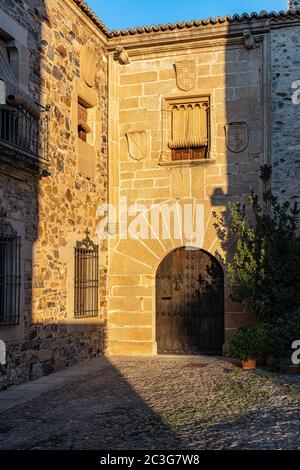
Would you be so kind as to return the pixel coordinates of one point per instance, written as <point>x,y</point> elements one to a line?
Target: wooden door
<point>190,304</point>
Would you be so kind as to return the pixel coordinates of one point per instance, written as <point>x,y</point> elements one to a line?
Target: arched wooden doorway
<point>190,303</point>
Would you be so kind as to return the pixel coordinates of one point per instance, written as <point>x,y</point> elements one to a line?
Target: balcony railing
<point>24,134</point>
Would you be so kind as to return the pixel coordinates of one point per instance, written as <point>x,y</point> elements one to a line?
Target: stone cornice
<point>161,43</point>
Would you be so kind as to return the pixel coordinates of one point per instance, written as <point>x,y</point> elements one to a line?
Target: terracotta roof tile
<point>281,15</point>
<point>274,16</point>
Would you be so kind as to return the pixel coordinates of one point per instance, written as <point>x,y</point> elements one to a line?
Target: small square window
<point>189,133</point>
<point>83,127</point>
<point>186,133</point>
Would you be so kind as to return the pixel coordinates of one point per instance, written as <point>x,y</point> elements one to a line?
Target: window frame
<point>86,279</point>
<point>83,119</point>
<point>189,155</point>
<point>10,273</point>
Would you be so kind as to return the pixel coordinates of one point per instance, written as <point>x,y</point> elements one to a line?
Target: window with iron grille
<point>86,288</point>
<point>10,274</point>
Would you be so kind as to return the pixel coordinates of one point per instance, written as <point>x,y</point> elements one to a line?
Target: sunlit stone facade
<point>109,98</point>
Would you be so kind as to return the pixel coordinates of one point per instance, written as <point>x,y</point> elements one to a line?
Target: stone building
<point>50,191</point>
<point>174,119</point>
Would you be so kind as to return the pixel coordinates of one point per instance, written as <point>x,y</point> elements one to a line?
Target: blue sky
<point>122,14</point>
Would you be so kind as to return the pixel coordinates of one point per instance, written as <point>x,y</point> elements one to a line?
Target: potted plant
<point>246,346</point>
<point>267,340</point>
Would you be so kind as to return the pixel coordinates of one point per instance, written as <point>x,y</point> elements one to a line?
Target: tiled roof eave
<point>84,7</point>
<point>235,19</point>
<point>277,17</point>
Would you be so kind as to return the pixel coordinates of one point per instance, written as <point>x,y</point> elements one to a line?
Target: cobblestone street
<point>159,403</point>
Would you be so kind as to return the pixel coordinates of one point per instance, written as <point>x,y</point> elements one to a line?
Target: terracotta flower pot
<point>249,364</point>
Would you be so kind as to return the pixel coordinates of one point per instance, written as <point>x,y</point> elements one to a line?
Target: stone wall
<point>285,59</point>
<point>70,60</point>
<point>54,212</point>
<point>231,76</point>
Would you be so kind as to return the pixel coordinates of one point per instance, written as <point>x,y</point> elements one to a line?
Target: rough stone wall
<point>293,5</point>
<point>285,96</point>
<point>55,211</point>
<point>232,78</point>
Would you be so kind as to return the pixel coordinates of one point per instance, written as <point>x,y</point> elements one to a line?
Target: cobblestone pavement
<point>160,403</point>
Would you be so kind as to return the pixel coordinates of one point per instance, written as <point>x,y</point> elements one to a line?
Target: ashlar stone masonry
<point>176,114</point>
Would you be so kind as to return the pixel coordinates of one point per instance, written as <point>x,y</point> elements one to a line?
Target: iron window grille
<point>10,273</point>
<point>86,282</point>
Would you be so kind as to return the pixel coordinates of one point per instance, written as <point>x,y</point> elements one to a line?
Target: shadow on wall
<point>40,341</point>
<point>239,117</point>
<point>23,161</point>
<point>242,140</point>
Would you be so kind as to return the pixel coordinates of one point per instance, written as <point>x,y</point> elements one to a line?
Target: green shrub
<point>246,343</point>
<point>265,270</point>
<point>273,338</point>
<point>282,362</point>
<point>284,332</point>
<point>265,332</point>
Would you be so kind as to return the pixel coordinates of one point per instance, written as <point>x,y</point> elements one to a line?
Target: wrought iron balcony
<point>24,137</point>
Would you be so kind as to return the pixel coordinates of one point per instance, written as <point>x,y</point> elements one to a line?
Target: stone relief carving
<point>249,40</point>
<point>121,55</point>
<point>237,136</point>
<point>137,144</point>
<point>186,74</point>
<point>88,64</point>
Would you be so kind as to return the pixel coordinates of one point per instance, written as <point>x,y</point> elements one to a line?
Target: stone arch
<point>190,303</point>
<point>133,265</point>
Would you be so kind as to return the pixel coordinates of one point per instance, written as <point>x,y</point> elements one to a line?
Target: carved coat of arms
<point>237,136</point>
<point>186,74</point>
<point>137,144</point>
<point>89,62</point>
